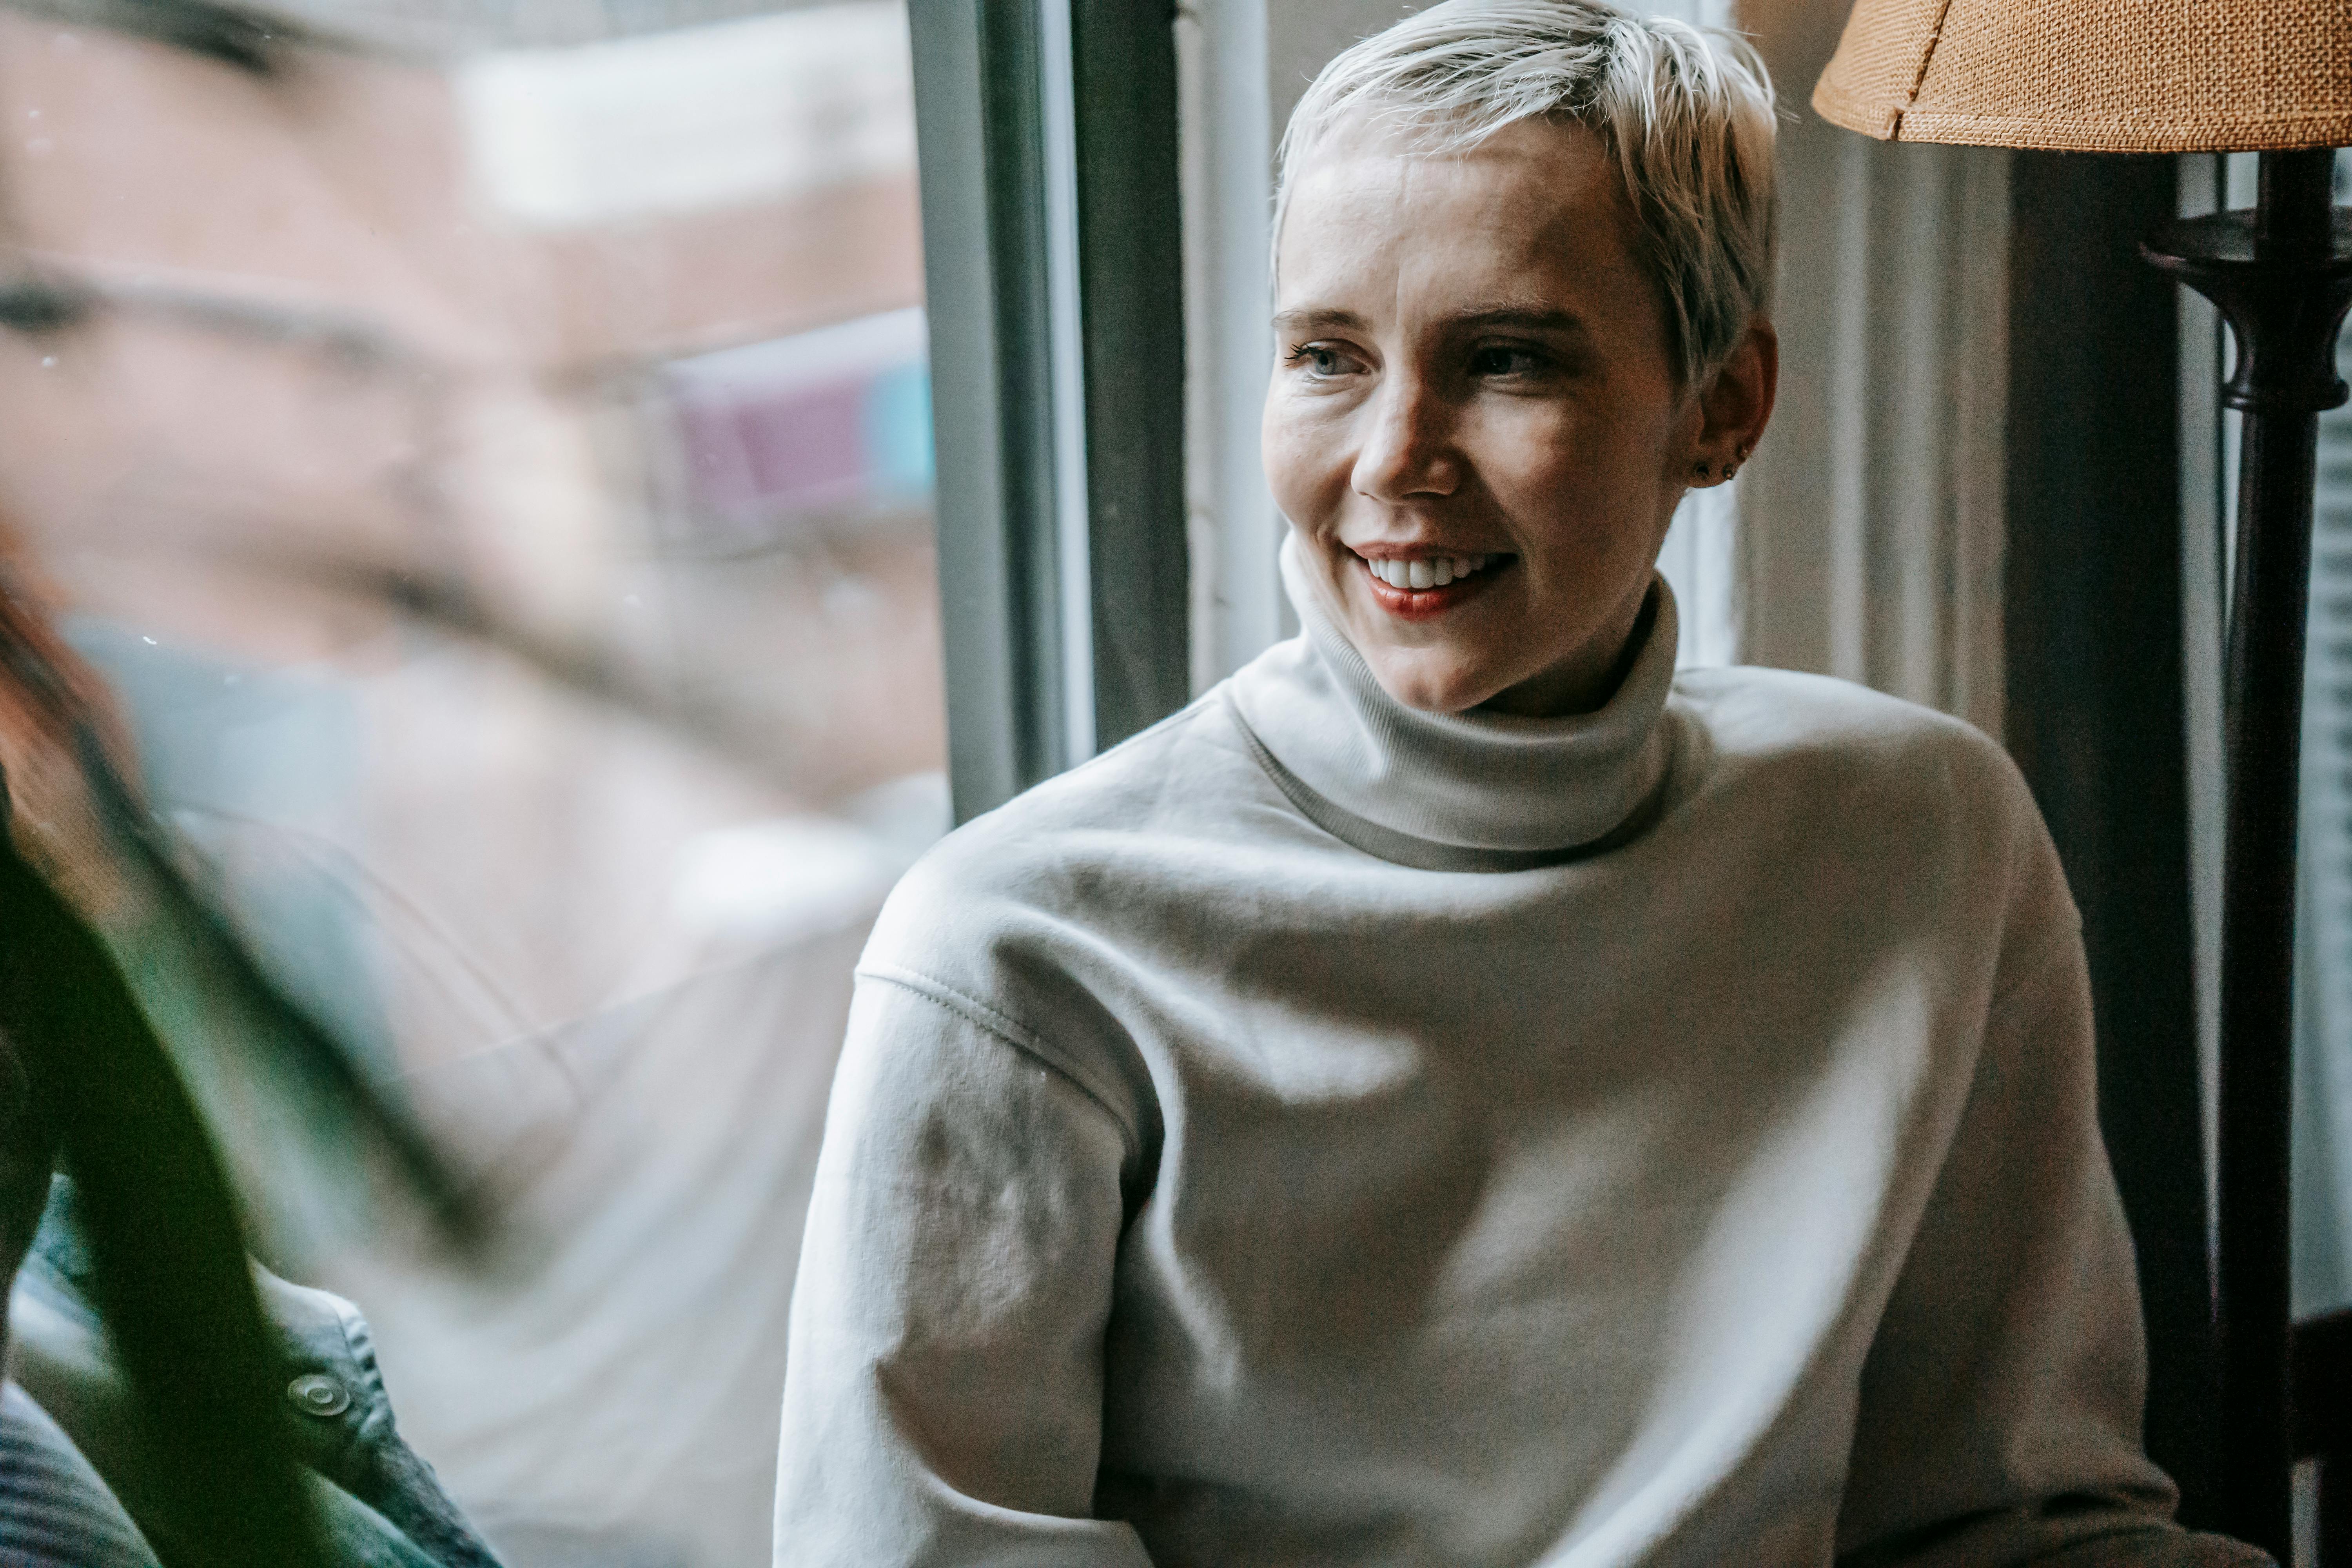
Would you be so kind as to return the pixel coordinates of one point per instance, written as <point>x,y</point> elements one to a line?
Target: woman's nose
<point>1408,447</point>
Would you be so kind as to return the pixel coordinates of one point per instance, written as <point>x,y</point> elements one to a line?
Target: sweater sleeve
<point>943,1391</point>
<point>1999,1411</point>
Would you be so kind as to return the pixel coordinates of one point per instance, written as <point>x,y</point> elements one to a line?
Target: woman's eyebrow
<point>1526,318</point>
<point>1313,319</point>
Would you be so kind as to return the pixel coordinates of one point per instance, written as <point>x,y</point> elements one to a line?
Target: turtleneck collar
<point>1473,790</point>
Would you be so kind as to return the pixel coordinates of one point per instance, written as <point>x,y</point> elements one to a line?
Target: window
<point>488,449</point>
<point>2324,940</point>
<point>2323,1083</point>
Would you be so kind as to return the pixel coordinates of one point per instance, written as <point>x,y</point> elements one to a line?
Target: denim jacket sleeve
<point>381,1504</point>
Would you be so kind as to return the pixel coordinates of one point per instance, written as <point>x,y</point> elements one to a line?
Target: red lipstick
<point>1428,604</point>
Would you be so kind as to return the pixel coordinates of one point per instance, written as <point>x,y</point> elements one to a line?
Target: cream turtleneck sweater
<point>1320,1132</point>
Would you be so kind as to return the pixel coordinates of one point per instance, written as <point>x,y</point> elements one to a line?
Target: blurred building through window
<point>487,447</point>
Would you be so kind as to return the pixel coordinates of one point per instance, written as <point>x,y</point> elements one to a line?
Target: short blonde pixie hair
<point>1686,111</point>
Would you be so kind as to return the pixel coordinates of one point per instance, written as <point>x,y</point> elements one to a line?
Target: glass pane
<point>2323,1086</point>
<point>487,449</point>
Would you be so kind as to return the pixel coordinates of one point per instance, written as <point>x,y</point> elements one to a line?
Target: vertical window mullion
<point>1131,271</point>
<point>980,128</point>
<point>1053,260</point>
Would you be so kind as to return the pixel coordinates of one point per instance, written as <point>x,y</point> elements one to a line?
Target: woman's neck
<point>1483,783</point>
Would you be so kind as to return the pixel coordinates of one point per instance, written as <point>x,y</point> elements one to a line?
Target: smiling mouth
<point>1421,587</point>
<point>1421,574</point>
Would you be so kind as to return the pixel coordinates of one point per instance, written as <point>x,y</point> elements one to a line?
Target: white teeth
<point>1434,572</point>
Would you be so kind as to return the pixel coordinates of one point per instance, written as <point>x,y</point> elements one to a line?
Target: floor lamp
<point>2204,76</point>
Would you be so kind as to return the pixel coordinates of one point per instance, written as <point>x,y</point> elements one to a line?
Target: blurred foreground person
<point>96,1471</point>
<point>1461,1093</point>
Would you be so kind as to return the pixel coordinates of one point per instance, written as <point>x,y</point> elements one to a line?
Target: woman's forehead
<point>1533,210</point>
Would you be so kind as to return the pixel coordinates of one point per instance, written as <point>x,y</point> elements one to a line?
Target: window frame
<point>1047,137</point>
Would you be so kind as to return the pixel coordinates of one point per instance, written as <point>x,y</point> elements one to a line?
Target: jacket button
<point>319,1396</point>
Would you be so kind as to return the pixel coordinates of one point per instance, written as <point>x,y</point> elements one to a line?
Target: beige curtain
<point>1870,518</point>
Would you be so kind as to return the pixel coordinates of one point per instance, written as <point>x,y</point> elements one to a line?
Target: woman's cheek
<point>1282,479</point>
<point>1278,447</point>
<point>1530,446</point>
<point>1305,466</point>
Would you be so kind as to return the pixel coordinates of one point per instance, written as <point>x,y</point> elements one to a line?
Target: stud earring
<point>1699,468</point>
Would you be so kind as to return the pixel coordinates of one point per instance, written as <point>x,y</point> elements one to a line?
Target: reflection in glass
<point>489,451</point>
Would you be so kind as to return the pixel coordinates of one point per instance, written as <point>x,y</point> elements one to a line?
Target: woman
<point>1460,1093</point>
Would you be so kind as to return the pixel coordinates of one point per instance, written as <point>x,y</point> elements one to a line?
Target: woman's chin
<point>1429,685</point>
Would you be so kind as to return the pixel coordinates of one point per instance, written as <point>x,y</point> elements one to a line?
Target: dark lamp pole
<point>2281,276</point>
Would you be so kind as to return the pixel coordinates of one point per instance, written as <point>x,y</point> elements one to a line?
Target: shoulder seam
<point>1010,1031</point>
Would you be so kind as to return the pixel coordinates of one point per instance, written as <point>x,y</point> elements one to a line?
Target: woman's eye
<point>1318,360</point>
<point>1502,360</point>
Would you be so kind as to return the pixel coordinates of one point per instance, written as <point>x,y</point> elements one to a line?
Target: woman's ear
<point>1737,404</point>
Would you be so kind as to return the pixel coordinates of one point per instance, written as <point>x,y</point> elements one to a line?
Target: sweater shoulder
<point>1918,792</point>
<point>1169,779</point>
<point>1757,720</point>
<point>1135,815</point>
<point>1017,915</point>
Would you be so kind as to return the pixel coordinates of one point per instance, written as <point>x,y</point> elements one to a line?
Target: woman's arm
<point>2000,1415</point>
<point>943,1398</point>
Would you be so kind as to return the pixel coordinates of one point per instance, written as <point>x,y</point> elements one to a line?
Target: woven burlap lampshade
<point>2097,75</point>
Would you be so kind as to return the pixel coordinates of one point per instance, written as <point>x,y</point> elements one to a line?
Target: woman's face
<point>1472,368</point>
